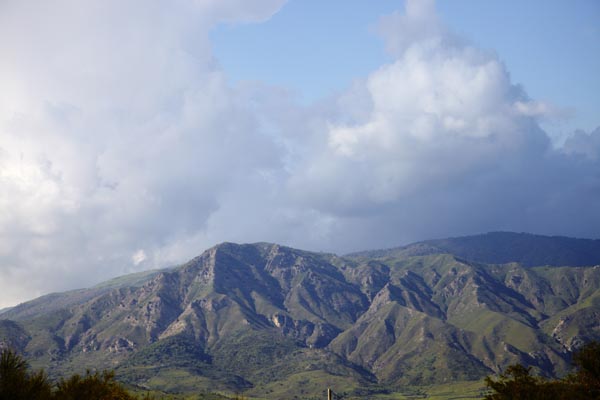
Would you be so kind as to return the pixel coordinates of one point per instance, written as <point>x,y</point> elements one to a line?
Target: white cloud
<point>438,112</point>
<point>418,25</point>
<point>449,146</point>
<point>139,257</point>
<point>123,147</point>
<point>117,132</point>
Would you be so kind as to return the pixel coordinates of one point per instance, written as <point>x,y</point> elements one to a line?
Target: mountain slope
<point>270,320</point>
<point>58,301</point>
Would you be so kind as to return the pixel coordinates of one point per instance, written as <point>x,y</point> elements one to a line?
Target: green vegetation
<point>177,364</point>
<point>17,382</point>
<point>268,321</point>
<point>516,382</point>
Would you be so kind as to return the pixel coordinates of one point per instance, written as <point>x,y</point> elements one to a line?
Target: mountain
<point>277,322</point>
<point>504,247</point>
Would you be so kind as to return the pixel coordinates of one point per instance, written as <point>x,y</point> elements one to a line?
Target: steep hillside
<point>13,336</point>
<point>269,320</point>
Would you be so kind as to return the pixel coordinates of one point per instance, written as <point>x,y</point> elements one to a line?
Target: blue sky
<point>316,48</point>
<point>135,135</point>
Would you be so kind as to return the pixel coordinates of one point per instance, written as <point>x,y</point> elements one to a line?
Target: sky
<point>135,135</point>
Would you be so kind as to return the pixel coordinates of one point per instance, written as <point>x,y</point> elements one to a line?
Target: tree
<point>17,383</point>
<point>96,386</point>
<point>517,383</point>
<point>587,378</point>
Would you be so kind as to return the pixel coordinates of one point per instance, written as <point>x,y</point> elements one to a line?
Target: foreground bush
<point>94,386</point>
<point>17,383</point>
<point>517,383</point>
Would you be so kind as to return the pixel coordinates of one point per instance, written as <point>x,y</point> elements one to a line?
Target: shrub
<point>17,383</point>
<point>517,383</point>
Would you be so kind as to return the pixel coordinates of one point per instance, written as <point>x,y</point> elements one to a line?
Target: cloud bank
<point>123,147</point>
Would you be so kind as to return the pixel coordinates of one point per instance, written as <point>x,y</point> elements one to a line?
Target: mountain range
<point>271,321</point>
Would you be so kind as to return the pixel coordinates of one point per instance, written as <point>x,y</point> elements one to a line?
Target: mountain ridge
<point>256,318</point>
<point>499,248</point>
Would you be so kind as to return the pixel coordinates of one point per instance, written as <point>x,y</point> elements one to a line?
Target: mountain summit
<point>270,320</point>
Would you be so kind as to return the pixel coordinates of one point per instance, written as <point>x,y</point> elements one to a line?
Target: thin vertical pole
<point>329,396</point>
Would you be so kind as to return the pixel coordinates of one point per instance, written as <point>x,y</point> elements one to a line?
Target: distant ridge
<point>504,247</point>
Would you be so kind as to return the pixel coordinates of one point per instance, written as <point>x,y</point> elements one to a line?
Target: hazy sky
<point>135,134</point>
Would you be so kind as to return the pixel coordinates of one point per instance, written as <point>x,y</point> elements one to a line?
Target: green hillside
<point>274,322</point>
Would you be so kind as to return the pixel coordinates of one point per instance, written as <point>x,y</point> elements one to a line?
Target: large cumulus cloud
<point>118,134</point>
<point>123,147</point>
<point>448,146</point>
